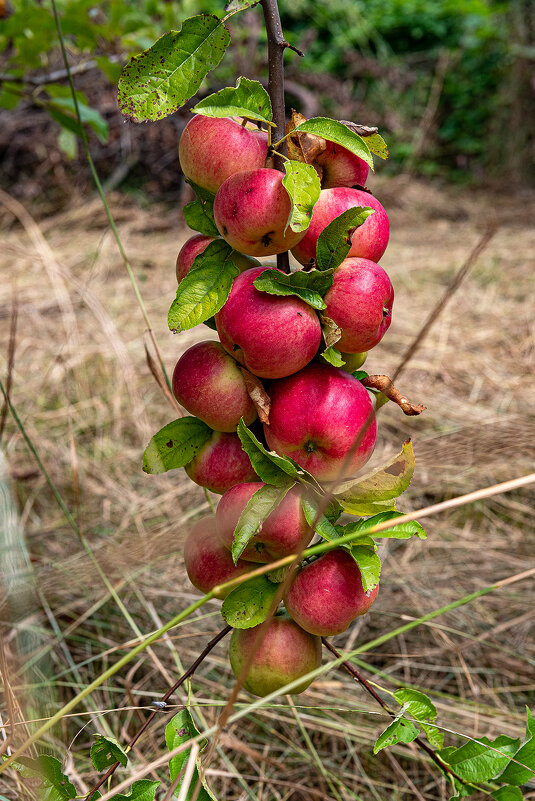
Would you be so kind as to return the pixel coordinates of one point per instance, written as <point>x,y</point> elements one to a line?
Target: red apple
<point>326,595</point>
<point>282,533</point>
<point>197,244</point>
<point>272,335</point>
<point>210,385</point>
<point>211,149</point>
<point>317,416</point>
<point>360,303</point>
<point>208,562</point>
<point>369,240</point>
<point>221,463</point>
<point>285,654</point>
<point>251,210</point>
<point>341,167</point>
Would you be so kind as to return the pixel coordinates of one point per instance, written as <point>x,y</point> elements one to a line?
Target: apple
<point>317,416</point>
<point>251,210</point>
<point>360,303</point>
<point>285,654</point>
<point>221,463</point>
<point>213,148</point>
<point>340,167</point>
<point>210,385</point>
<point>208,562</point>
<point>369,240</point>
<point>353,361</point>
<point>326,595</point>
<point>283,532</point>
<point>272,335</point>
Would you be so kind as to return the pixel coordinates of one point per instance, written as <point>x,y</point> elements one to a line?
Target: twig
<point>189,672</point>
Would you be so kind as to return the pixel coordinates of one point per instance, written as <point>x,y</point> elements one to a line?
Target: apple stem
<point>189,672</point>
<point>277,44</point>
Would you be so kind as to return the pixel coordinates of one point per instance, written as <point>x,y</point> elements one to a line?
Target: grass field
<point>89,404</point>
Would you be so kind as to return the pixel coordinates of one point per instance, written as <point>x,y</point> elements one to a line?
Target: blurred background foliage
<point>450,83</point>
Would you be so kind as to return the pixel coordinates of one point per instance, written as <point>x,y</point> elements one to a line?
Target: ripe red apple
<point>197,244</point>
<point>285,654</point>
<point>341,167</point>
<point>221,463</point>
<point>326,595</point>
<point>251,210</point>
<point>369,240</point>
<point>210,385</point>
<point>208,562</point>
<point>360,303</point>
<point>211,149</point>
<point>282,533</point>
<point>272,335</point>
<point>317,416</point>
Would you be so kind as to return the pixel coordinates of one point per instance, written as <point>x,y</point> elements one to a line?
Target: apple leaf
<point>403,531</point>
<point>178,731</point>
<point>142,790</point>
<point>248,605</point>
<point>105,751</point>
<point>247,99</point>
<point>258,507</point>
<point>522,773</point>
<point>399,731</point>
<point>158,81</point>
<point>269,466</point>
<point>334,242</point>
<point>380,486</point>
<point>239,5</point>
<point>419,707</point>
<point>333,356</point>
<point>302,183</point>
<point>199,216</point>
<point>507,793</point>
<point>331,332</point>
<point>201,293</point>
<point>175,445</point>
<point>337,132</point>
<point>366,556</point>
<point>54,784</point>
<point>310,286</point>
<point>319,523</point>
<point>481,760</point>
<point>375,142</point>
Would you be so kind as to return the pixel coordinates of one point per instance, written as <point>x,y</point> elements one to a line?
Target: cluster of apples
<point>320,416</point>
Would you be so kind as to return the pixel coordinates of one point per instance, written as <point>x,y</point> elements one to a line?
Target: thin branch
<point>189,672</point>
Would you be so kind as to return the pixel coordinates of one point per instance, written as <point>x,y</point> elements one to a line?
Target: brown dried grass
<point>80,366</point>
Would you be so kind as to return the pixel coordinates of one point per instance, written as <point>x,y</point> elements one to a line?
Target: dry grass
<point>90,404</point>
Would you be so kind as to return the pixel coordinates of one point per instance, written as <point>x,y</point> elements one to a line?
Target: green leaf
<point>105,751</point>
<point>481,761</point>
<point>199,216</point>
<point>380,485</point>
<point>89,116</point>
<point>309,286</point>
<point>366,557</point>
<point>158,81</point>
<point>399,731</point>
<point>360,374</point>
<point>68,143</point>
<point>377,145</point>
<point>239,5</point>
<point>522,773</point>
<point>403,531</point>
<point>258,507</point>
<point>175,445</point>
<point>143,790</point>
<point>302,183</point>
<point>418,706</point>
<point>178,731</point>
<point>507,793</point>
<point>248,99</point>
<point>248,605</point>
<point>55,786</point>
<point>333,356</point>
<point>269,466</point>
<point>201,294</point>
<point>334,242</point>
<point>323,525</point>
<point>337,132</point>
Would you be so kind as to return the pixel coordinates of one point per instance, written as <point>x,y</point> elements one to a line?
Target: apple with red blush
<point>340,167</point>
<point>221,463</point>
<point>196,245</point>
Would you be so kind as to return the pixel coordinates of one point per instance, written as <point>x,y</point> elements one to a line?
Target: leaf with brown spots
<point>258,395</point>
<point>303,147</point>
<point>377,491</point>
